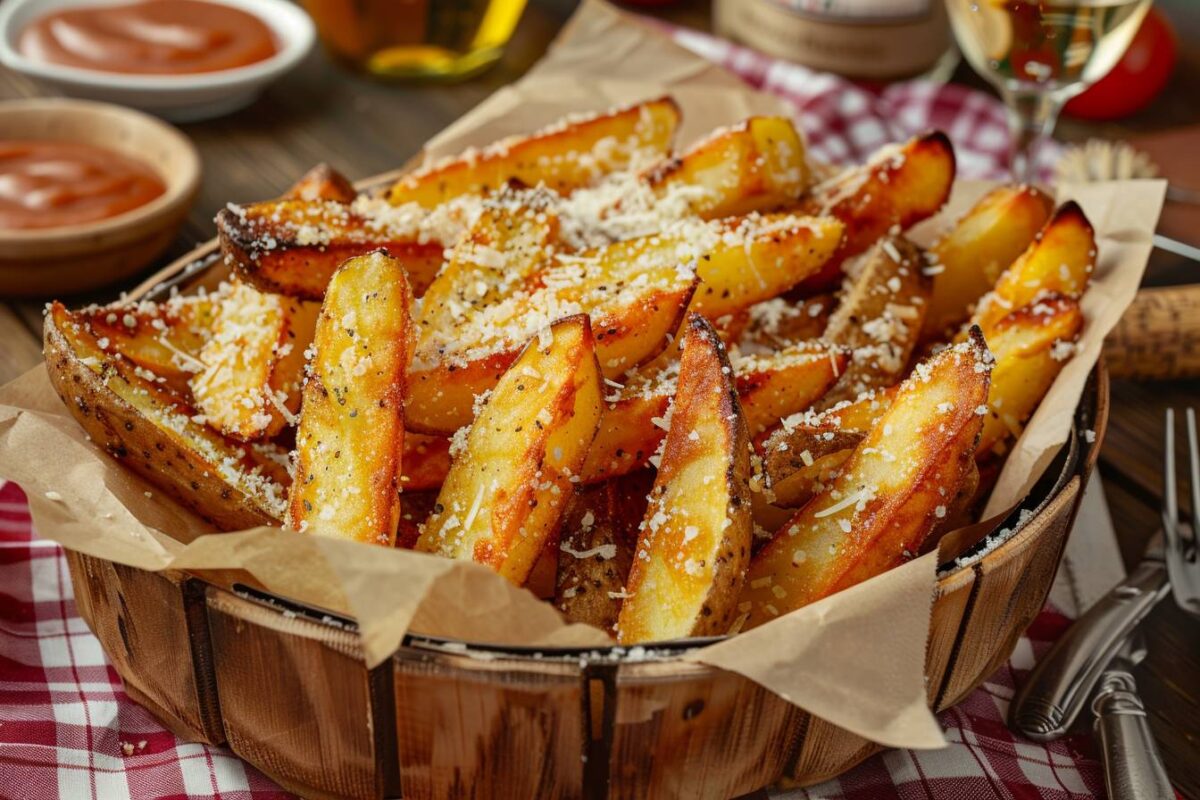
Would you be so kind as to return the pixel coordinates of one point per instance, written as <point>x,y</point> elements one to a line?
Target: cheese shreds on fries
<point>508,488</point>
<point>675,393</point>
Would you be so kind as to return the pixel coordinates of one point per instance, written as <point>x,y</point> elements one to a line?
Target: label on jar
<point>865,39</point>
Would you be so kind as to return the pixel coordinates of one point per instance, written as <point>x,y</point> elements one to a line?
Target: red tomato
<point>1136,79</point>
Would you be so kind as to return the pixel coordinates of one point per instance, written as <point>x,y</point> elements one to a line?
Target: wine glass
<point>1041,53</point>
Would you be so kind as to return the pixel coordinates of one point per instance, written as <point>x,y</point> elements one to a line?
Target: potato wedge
<point>635,293</point>
<point>779,322</point>
<point>565,156</point>
<point>810,458</point>
<point>889,494</point>
<point>293,247</point>
<point>756,165</point>
<point>898,187</point>
<point>695,538</point>
<point>514,238</point>
<point>351,435</point>
<point>322,182</point>
<point>880,318</point>
<point>1031,346</point>
<point>968,259</point>
<point>599,533</point>
<point>253,362</point>
<point>759,257</point>
<point>164,338</point>
<point>769,388</point>
<point>425,462</point>
<point>1060,261</point>
<point>507,490</point>
<point>147,427</point>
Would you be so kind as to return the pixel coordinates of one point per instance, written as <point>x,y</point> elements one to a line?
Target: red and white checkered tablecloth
<point>68,730</point>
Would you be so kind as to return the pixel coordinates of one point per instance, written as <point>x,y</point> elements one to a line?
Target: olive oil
<point>444,39</point>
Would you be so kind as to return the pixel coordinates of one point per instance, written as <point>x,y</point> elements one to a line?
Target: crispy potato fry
<point>425,462</point>
<point>415,508</point>
<point>253,362</point>
<point>779,322</point>
<point>795,475</point>
<point>1031,346</point>
<point>760,257</point>
<point>695,541</point>
<point>148,428</point>
<point>967,260</point>
<point>506,492</point>
<point>351,435</point>
<point>293,247</point>
<point>889,494</point>
<point>514,238</point>
<point>322,182</point>
<point>756,165</point>
<point>769,388</point>
<point>1059,261</point>
<point>599,533</point>
<point>565,156</point>
<point>635,293</point>
<point>164,338</point>
<point>880,318</point>
<point>899,186</point>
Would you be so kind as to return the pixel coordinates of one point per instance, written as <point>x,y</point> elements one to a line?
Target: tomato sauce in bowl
<point>46,184</point>
<point>152,37</point>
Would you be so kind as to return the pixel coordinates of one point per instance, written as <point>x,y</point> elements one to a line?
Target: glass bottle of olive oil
<point>444,39</point>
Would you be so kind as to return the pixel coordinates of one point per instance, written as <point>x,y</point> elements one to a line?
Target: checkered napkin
<point>68,730</point>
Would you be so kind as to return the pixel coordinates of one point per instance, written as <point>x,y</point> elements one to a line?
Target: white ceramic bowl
<point>180,98</point>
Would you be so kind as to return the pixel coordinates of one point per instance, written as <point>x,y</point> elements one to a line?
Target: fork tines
<point>1179,535</point>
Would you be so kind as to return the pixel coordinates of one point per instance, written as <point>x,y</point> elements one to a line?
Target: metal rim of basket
<point>1073,457</point>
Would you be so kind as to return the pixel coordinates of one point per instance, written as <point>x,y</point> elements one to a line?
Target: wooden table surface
<point>362,127</point>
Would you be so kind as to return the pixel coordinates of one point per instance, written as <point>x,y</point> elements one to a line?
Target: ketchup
<point>52,184</point>
<point>156,37</point>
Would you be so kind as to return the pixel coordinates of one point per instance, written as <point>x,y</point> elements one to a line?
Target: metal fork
<point>1180,536</point>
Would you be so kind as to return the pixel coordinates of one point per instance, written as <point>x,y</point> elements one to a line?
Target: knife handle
<point>1133,769</point>
<point>1050,700</point>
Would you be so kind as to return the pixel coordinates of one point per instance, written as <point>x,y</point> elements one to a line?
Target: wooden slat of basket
<point>1013,583</point>
<point>153,628</point>
<point>467,727</point>
<point>826,752</point>
<point>299,703</point>
<point>682,730</point>
<point>951,606</point>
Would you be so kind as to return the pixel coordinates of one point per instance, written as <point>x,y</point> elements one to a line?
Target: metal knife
<point>1133,769</point>
<point>1059,687</point>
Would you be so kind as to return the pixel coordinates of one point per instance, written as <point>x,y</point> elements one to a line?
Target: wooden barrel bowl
<point>287,689</point>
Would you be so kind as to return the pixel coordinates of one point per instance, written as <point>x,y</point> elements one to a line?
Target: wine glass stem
<point>1031,117</point>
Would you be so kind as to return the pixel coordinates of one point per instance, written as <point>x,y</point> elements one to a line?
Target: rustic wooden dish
<point>286,687</point>
<point>75,258</point>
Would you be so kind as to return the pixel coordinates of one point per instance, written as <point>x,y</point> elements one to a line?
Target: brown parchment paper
<point>855,659</point>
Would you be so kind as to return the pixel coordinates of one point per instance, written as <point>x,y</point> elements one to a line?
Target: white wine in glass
<point>1041,53</point>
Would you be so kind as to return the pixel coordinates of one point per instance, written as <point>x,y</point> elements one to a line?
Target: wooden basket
<point>286,687</point>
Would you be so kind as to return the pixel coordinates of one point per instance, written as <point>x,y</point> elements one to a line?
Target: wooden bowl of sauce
<point>183,60</point>
<point>90,193</point>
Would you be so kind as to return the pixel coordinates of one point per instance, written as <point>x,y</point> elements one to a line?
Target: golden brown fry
<point>756,165</point>
<point>148,428</point>
<point>425,463</point>
<point>252,362</point>
<point>967,261</point>
<point>779,322</point>
<point>1031,346</point>
<point>563,157</point>
<point>599,533</point>
<point>769,388</point>
<point>695,542</point>
<point>889,494</point>
<point>1060,261</point>
<point>507,489</point>
<point>879,319</point>
<point>293,247</point>
<point>810,458</point>
<point>322,182</point>
<point>351,435</point>
<point>897,188</point>
<point>163,338</point>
